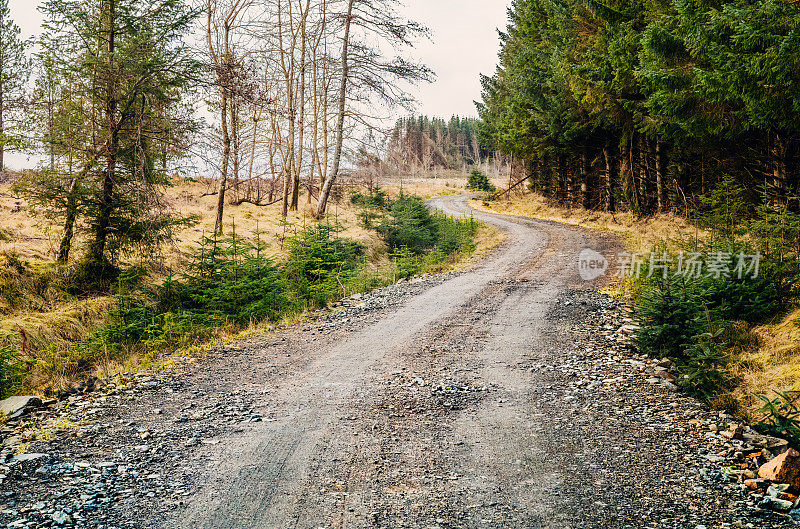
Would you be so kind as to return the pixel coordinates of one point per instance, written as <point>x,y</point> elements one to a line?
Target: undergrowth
<point>420,241</point>
<point>228,285</point>
<point>781,416</point>
<point>704,321</point>
<point>478,181</point>
<point>10,369</point>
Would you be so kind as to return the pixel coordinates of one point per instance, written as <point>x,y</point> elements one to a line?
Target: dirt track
<point>449,412</point>
<point>332,405</point>
<point>501,397</point>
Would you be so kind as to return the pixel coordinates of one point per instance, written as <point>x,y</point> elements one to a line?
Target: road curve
<point>459,409</point>
<point>262,480</point>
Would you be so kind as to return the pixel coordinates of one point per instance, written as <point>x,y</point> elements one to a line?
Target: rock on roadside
<point>783,469</point>
<point>15,406</point>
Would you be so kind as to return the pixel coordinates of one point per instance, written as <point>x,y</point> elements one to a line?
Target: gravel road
<point>501,397</point>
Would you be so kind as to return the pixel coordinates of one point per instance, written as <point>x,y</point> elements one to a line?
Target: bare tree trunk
<point>608,191</point>
<point>779,170</point>
<point>561,174</point>
<point>226,155</point>
<point>223,76</point>
<point>69,224</point>
<point>2,124</point>
<point>224,63</point>
<point>660,170</point>
<point>585,169</point>
<point>287,60</point>
<point>636,177</point>
<point>544,177</point>
<point>324,193</point>
<point>625,172</point>
<point>98,247</point>
<point>235,139</point>
<point>569,181</point>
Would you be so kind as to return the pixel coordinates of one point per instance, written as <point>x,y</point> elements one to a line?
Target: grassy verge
<point>639,234</point>
<point>227,288</point>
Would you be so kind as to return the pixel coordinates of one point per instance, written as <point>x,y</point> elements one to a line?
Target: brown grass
<point>53,326</point>
<point>36,239</point>
<point>771,363</point>
<point>639,234</point>
<point>767,357</point>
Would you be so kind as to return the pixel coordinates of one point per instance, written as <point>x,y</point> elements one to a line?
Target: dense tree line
<point>424,143</point>
<point>649,105</point>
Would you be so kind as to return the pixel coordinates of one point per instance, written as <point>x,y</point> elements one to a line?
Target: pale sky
<point>464,45</point>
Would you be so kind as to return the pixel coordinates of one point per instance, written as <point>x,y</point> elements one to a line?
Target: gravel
<point>516,401</point>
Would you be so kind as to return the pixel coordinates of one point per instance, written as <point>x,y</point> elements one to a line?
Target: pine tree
<point>127,65</point>
<point>649,102</point>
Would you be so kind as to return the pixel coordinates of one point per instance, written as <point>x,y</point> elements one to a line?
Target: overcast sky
<point>464,45</point>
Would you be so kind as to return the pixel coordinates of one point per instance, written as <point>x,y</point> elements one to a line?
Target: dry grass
<point>23,234</point>
<point>186,199</point>
<point>60,327</point>
<point>771,363</point>
<point>487,239</point>
<point>53,326</point>
<point>36,239</point>
<point>639,234</point>
<point>767,357</point>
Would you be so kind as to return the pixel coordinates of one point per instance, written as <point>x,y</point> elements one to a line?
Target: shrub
<point>690,320</point>
<point>11,371</point>
<point>91,278</point>
<point>725,209</point>
<point>409,224</point>
<point>702,369</point>
<point>671,316</point>
<point>478,181</point>
<point>455,236</point>
<point>320,265</point>
<point>228,282</point>
<point>373,204</point>
<point>781,416</point>
<point>673,311</point>
<point>407,263</point>
<point>374,198</point>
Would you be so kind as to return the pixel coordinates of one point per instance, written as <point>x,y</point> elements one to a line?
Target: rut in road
<point>330,415</point>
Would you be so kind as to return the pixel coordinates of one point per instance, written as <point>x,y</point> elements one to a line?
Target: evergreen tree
<point>651,102</point>
<point>123,66</point>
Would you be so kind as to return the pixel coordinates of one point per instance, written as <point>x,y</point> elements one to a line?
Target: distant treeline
<point>649,105</point>
<point>422,143</point>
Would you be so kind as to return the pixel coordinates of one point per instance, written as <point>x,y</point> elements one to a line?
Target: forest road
<point>451,410</point>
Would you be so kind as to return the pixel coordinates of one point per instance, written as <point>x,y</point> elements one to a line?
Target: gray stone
<point>776,490</point>
<point>13,405</point>
<point>24,458</point>
<point>61,518</point>
<point>775,445</point>
<point>776,504</point>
